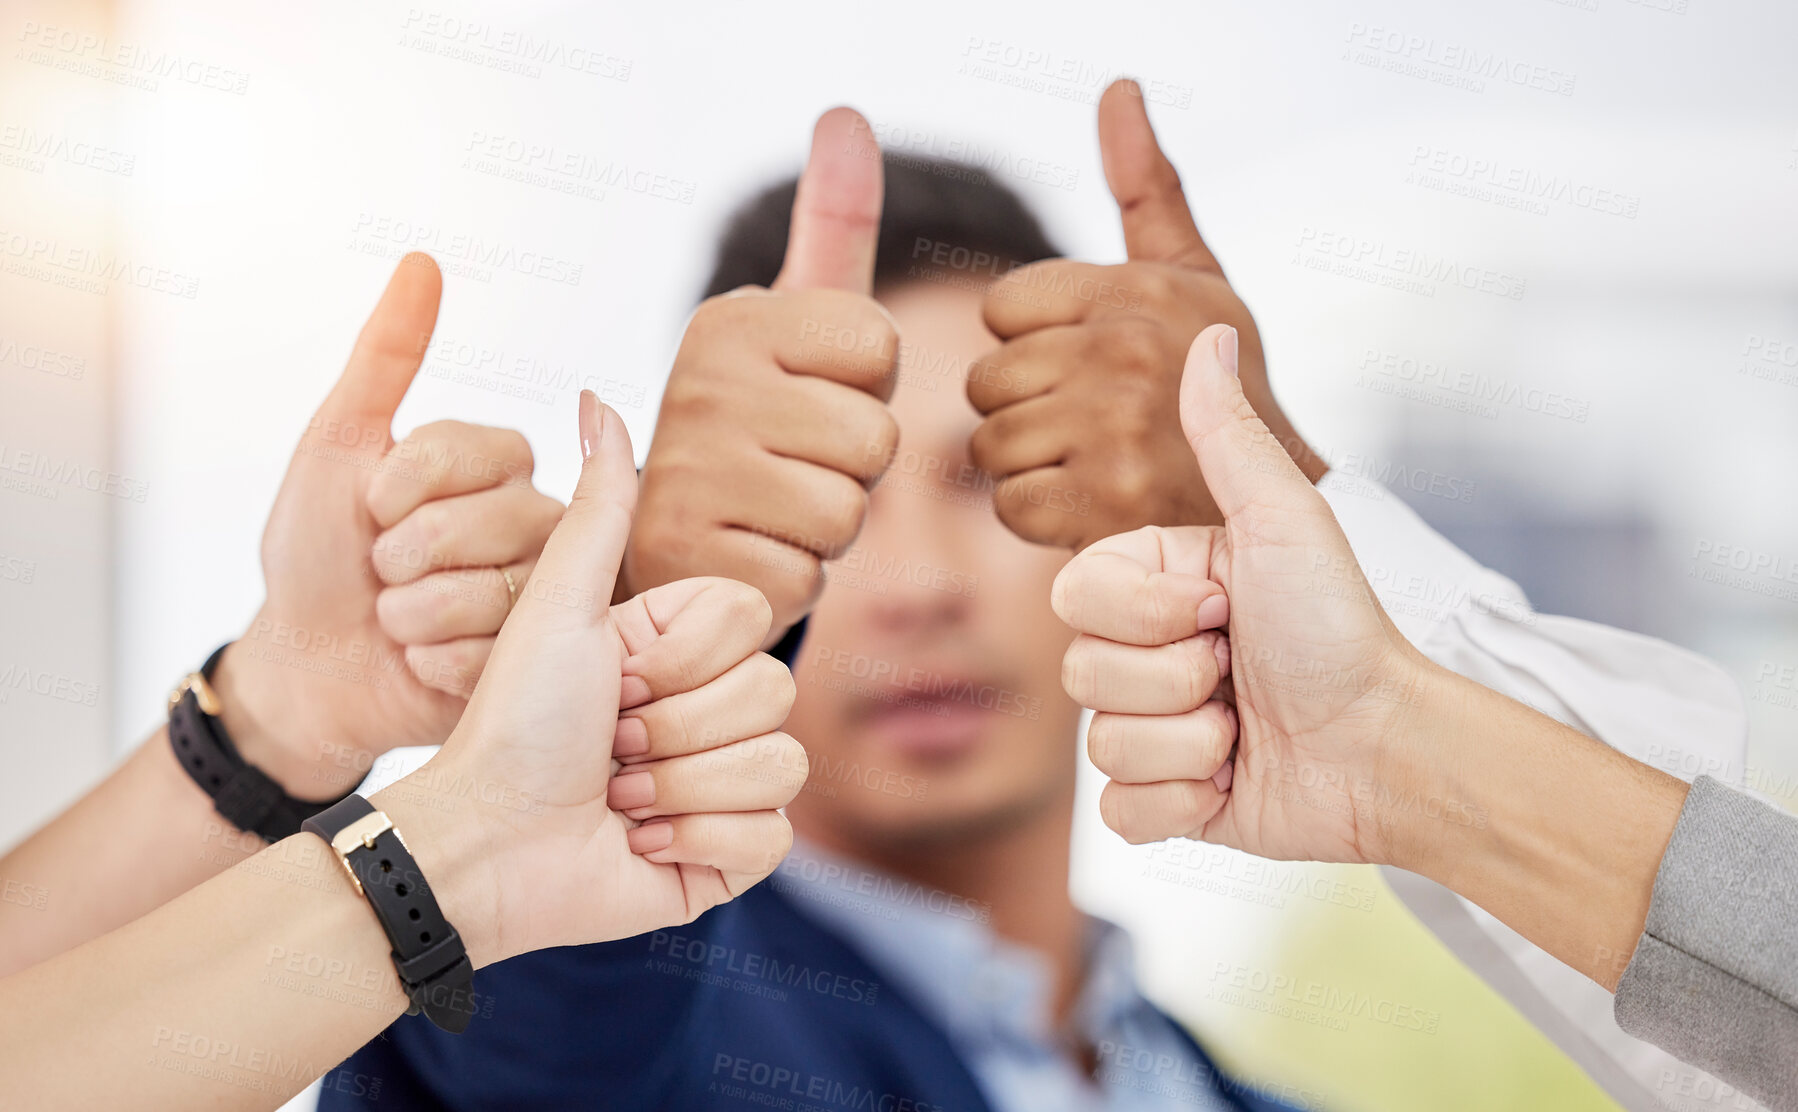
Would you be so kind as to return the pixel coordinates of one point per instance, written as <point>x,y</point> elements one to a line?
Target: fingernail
<point>633,691</point>
<point>1221,649</point>
<point>631,791</point>
<point>592,429</point>
<point>1222,779</point>
<point>1130,86</point>
<point>1226,350</point>
<point>651,836</point>
<point>1213,611</point>
<point>631,738</point>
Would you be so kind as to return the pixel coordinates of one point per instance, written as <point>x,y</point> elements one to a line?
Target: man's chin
<point>936,824</point>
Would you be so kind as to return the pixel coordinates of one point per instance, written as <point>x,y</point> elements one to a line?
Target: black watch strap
<point>245,795</point>
<point>427,952</point>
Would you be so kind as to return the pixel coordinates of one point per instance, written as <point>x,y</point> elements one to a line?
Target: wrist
<point>269,726</point>
<point>455,850</point>
<point>1555,833</point>
<point>1428,768</point>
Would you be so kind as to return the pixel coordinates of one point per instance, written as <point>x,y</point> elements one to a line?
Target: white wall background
<point>356,116</point>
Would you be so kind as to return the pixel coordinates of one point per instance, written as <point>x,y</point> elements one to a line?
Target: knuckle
<point>1214,733</point>
<point>1153,613</point>
<point>515,447</point>
<point>1196,668</point>
<point>842,505</point>
<point>774,683</point>
<point>1067,595</point>
<point>984,444</point>
<point>1002,294</point>
<point>391,612</point>
<point>1130,342</point>
<point>1110,808</point>
<point>444,428</point>
<point>1077,672</point>
<point>1133,481</point>
<point>423,667</point>
<point>1186,797</point>
<point>872,325</point>
<point>395,558</point>
<point>794,596</point>
<point>745,607</point>
<point>1105,744</point>
<point>882,437</point>
<point>716,316</point>
<point>689,731</point>
<point>1118,815</point>
<point>779,840</point>
<point>1013,511</point>
<point>1032,521</point>
<point>795,762</point>
<point>1154,283</point>
<point>428,527</point>
<point>545,512</point>
<point>383,495</point>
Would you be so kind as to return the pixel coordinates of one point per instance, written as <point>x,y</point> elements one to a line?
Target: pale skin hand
<point>137,1018</point>
<point>1081,396</point>
<point>388,555</point>
<point>1314,661</point>
<point>1349,745</point>
<point>774,424</point>
<point>561,866</point>
<point>382,563</point>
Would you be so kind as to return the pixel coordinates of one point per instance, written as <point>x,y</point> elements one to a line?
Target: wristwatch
<point>245,795</point>
<point>427,952</point>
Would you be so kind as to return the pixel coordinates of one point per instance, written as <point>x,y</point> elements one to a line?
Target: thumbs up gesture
<point>1080,400</point>
<point>539,841</point>
<point>1318,758</point>
<point>774,425</point>
<point>388,566</point>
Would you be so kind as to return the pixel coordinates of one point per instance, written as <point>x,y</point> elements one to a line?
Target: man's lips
<point>943,716</point>
<point>927,729</point>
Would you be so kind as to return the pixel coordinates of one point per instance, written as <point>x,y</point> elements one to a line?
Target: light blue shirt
<point>993,997</point>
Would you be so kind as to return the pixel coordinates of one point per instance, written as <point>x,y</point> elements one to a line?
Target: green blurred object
<point>1352,1022</point>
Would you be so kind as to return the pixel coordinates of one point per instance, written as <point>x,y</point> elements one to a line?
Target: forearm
<point>1556,834</point>
<point>237,994</point>
<point>144,835</point>
<point>147,832</point>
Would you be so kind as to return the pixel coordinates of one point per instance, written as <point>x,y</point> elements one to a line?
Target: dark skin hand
<point>1081,399</point>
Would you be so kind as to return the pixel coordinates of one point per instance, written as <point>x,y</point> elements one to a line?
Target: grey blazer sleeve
<point>1714,980</point>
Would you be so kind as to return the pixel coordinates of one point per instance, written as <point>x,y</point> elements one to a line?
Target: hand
<point>1081,397</point>
<point>774,425</point>
<point>1323,682</point>
<point>382,564</point>
<point>1349,744</point>
<point>519,813</point>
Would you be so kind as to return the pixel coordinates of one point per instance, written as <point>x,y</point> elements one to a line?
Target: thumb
<point>836,209</point>
<point>1158,223</point>
<point>391,346</point>
<point>1244,464</point>
<point>579,564</point>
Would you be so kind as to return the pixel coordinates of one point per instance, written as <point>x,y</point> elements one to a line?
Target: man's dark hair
<point>938,216</point>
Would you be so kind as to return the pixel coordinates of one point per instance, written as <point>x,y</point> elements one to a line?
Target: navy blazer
<point>752,1006</point>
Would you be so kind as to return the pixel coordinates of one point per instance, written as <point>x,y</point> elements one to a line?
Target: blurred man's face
<point>930,696</point>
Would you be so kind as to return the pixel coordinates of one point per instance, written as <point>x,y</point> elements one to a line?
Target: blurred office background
<point>200,201</point>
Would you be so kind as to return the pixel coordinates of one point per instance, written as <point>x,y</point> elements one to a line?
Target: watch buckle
<point>203,694</point>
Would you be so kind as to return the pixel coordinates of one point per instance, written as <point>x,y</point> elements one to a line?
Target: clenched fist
<point>1307,763</point>
<point>389,567</point>
<point>595,854</point>
<point>1082,426</point>
<point>774,425</point>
